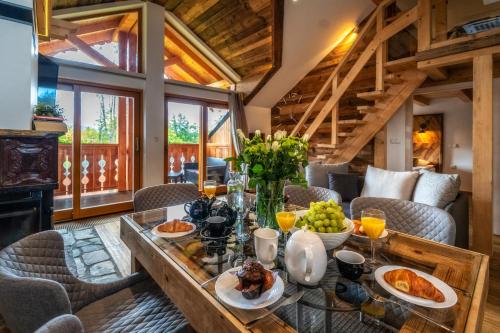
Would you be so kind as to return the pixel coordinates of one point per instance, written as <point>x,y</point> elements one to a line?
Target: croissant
<point>409,282</point>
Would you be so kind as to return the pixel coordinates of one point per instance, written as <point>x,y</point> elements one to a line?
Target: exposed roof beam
<point>421,100</point>
<point>126,24</point>
<point>463,96</point>
<point>89,51</point>
<point>62,45</point>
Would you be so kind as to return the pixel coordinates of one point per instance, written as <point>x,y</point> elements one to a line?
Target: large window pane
<point>109,41</point>
<point>63,195</point>
<point>106,166</point>
<point>218,145</point>
<point>184,137</point>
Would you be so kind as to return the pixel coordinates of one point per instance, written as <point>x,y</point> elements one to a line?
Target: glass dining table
<point>336,304</point>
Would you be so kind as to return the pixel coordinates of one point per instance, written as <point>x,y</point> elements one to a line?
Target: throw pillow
<point>436,189</point>
<point>317,174</point>
<point>382,183</point>
<point>344,184</point>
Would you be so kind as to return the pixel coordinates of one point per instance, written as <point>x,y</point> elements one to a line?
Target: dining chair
<point>303,196</point>
<point>164,195</point>
<point>36,286</point>
<point>62,324</point>
<point>410,217</point>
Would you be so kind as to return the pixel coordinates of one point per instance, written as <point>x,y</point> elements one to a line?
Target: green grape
<point>330,210</point>
<point>318,224</point>
<point>329,229</point>
<point>322,229</point>
<point>326,223</point>
<point>321,216</point>
<point>311,228</point>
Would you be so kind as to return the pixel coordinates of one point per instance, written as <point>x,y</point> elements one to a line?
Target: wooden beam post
<point>424,25</point>
<point>441,20</point>
<point>381,54</point>
<point>335,114</point>
<point>482,152</point>
<point>122,144</point>
<point>380,149</point>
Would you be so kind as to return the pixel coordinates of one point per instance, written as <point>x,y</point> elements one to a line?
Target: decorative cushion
<point>436,189</point>
<point>317,174</point>
<point>382,183</point>
<point>344,184</point>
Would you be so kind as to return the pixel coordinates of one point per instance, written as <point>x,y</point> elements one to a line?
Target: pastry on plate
<point>410,283</point>
<point>175,226</point>
<point>254,279</point>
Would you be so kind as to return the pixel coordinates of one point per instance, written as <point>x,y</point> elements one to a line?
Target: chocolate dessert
<point>254,279</point>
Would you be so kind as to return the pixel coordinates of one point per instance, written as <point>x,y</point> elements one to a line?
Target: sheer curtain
<point>238,119</point>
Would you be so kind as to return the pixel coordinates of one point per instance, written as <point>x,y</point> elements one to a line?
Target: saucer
<point>205,235</point>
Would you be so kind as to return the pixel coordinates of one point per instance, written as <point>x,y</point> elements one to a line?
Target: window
<point>198,140</point>
<point>184,63</point>
<point>110,41</point>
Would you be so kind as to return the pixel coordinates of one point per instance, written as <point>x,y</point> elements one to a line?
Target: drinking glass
<point>373,223</point>
<point>209,187</point>
<point>286,221</point>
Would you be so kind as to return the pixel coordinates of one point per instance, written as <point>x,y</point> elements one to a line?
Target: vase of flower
<point>270,200</point>
<point>269,163</point>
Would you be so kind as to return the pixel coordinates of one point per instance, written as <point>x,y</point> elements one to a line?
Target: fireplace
<point>28,177</point>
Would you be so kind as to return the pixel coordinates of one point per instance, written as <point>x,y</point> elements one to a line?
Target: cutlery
<point>290,300</point>
<point>382,299</point>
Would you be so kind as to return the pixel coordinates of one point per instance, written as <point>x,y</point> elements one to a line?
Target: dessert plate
<point>224,288</point>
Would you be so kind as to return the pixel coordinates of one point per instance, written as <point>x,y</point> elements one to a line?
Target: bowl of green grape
<point>327,220</point>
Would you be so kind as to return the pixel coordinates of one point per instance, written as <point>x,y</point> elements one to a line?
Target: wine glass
<point>286,221</point>
<point>373,223</point>
<point>209,187</point>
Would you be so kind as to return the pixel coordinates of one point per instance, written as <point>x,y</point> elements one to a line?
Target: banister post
<point>381,53</point>
<point>424,25</point>
<point>335,113</point>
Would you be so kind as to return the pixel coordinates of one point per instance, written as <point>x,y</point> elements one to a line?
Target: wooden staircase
<point>392,87</point>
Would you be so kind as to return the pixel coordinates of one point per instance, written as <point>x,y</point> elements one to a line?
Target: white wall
<point>457,136</point>
<point>311,29</point>
<point>399,131</point>
<point>18,73</point>
<point>258,118</point>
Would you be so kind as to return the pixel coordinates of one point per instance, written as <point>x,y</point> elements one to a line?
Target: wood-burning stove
<point>28,177</point>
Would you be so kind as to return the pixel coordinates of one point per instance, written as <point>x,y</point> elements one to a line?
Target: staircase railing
<point>383,34</point>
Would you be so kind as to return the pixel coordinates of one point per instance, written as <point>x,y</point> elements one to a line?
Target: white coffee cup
<point>266,246</point>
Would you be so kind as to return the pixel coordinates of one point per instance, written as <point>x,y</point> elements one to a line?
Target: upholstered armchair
<point>36,286</point>
<point>62,324</point>
<point>303,196</point>
<point>411,217</point>
<point>164,195</point>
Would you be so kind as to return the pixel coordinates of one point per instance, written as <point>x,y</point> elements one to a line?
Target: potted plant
<point>269,164</point>
<point>49,118</point>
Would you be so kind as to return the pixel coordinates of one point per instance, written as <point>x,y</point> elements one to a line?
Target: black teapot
<point>200,208</point>
<point>223,209</point>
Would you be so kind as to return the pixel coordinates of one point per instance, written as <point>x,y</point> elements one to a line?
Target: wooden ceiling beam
<point>421,100</point>
<point>264,41</point>
<point>461,95</point>
<point>458,58</point>
<point>90,52</point>
<point>53,47</point>
<point>93,27</point>
<point>173,60</point>
<point>127,23</point>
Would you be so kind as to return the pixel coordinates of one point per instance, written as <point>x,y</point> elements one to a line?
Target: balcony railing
<point>181,153</point>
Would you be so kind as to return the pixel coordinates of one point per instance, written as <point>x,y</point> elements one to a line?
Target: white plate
<point>450,297</point>
<point>383,235</point>
<point>158,233</point>
<point>224,288</point>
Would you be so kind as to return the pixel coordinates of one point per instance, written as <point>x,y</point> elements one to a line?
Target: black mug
<point>350,264</point>
<point>216,226</point>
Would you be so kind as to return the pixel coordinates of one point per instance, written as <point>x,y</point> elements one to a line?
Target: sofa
<point>425,187</point>
<point>216,170</point>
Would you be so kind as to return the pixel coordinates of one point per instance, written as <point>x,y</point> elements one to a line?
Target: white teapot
<point>305,257</point>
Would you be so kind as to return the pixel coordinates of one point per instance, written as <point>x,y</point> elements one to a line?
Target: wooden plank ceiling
<point>239,31</point>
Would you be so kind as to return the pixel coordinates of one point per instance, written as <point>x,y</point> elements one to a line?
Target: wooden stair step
<point>367,109</point>
<point>393,78</point>
<point>371,95</point>
<point>345,134</point>
<point>327,146</point>
<point>351,122</point>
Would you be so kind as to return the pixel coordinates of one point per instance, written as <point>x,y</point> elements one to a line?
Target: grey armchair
<point>37,286</point>
<point>410,217</point>
<point>302,196</point>
<point>62,324</point>
<point>164,195</point>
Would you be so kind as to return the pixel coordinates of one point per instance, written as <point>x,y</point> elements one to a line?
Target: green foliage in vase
<point>275,158</point>
<point>46,110</point>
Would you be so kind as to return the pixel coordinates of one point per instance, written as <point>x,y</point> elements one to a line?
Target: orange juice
<point>209,190</point>
<point>373,227</point>
<point>286,220</point>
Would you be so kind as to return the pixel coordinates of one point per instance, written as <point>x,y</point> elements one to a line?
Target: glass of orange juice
<point>373,223</point>
<point>286,221</point>
<point>209,187</point>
